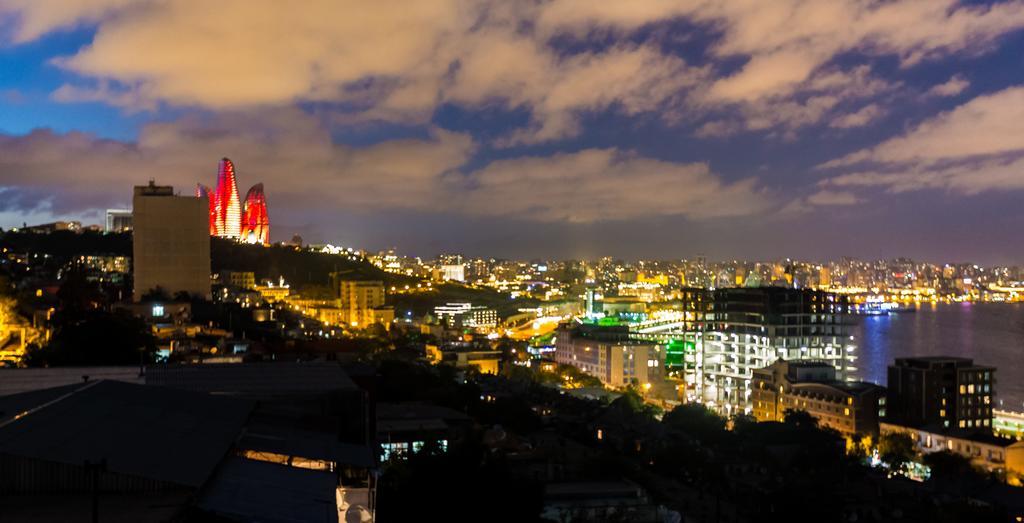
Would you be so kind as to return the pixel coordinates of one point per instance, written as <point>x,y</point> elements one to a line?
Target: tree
<point>897,449</point>
<point>76,292</point>
<point>487,487</point>
<point>95,337</point>
<point>800,418</point>
<point>573,377</point>
<point>948,465</point>
<point>695,420</point>
<point>157,293</point>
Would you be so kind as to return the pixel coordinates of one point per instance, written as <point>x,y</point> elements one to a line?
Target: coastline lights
<point>229,216</point>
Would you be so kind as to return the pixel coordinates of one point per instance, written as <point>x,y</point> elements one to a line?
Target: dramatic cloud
<point>786,40</point>
<point>557,59</point>
<point>976,147</point>
<point>295,158</point>
<point>606,184</point>
<point>969,179</point>
<point>305,172</point>
<point>986,125</point>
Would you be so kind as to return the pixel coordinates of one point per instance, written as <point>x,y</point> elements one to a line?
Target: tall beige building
<point>171,241</point>
<point>358,299</point>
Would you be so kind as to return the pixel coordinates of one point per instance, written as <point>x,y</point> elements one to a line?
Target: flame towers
<point>228,217</point>
<point>255,223</point>
<point>228,207</point>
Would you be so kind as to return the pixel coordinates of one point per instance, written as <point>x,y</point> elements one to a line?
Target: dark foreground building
<point>942,392</point>
<point>275,442</point>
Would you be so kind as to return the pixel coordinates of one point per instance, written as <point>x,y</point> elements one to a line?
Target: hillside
<point>300,268</point>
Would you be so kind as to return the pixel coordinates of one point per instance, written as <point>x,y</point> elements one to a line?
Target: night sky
<point>526,129</point>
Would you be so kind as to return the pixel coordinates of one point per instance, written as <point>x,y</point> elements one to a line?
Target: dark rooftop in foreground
<point>166,435</point>
<point>255,379</point>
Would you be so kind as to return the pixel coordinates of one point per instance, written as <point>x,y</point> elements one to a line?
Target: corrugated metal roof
<point>257,379</point>
<point>150,432</point>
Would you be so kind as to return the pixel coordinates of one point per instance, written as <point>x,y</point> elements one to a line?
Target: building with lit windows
<point>358,300</point>
<point>170,242</point>
<point>238,279</point>
<point>453,272</point>
<point>273,293</point>
<point>947,393</point>
<point>118,220</point>
<point>750,328</point>
<point>611,354</point>
<point>846,407</point>
<point>985,451</point>
<point>458,315</point>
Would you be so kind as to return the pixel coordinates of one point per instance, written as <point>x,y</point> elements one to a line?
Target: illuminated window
<point>158,310</point>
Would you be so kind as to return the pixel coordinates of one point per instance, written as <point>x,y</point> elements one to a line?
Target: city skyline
<point>667,130</point>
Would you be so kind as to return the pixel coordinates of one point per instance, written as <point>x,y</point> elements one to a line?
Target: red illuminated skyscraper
<point>229,218</point>
<point>204,191</point>
<point>255,222</point>
<point>228,208</point>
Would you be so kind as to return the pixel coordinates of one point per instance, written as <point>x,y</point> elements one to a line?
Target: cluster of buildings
<point>768,351</point>
<point>711,341</point>
<point>896,280</point>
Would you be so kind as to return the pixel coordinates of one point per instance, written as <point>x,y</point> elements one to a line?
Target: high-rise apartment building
<point>170,242</point>
<point>945,393</point>
<point>749,328</point>
<point>358,300</point>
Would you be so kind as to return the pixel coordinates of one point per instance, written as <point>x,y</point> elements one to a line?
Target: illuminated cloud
<point>954,86</point>
<point>785,41</point>
<point>304,172</point>
<point>826,197</point>
<point>987,125</point>
<point>607,184</point>
<point>558,59</point>
<point>976,147</point>
<point>295,158</point>
<point>970,179</point>
<point>860,118</point>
